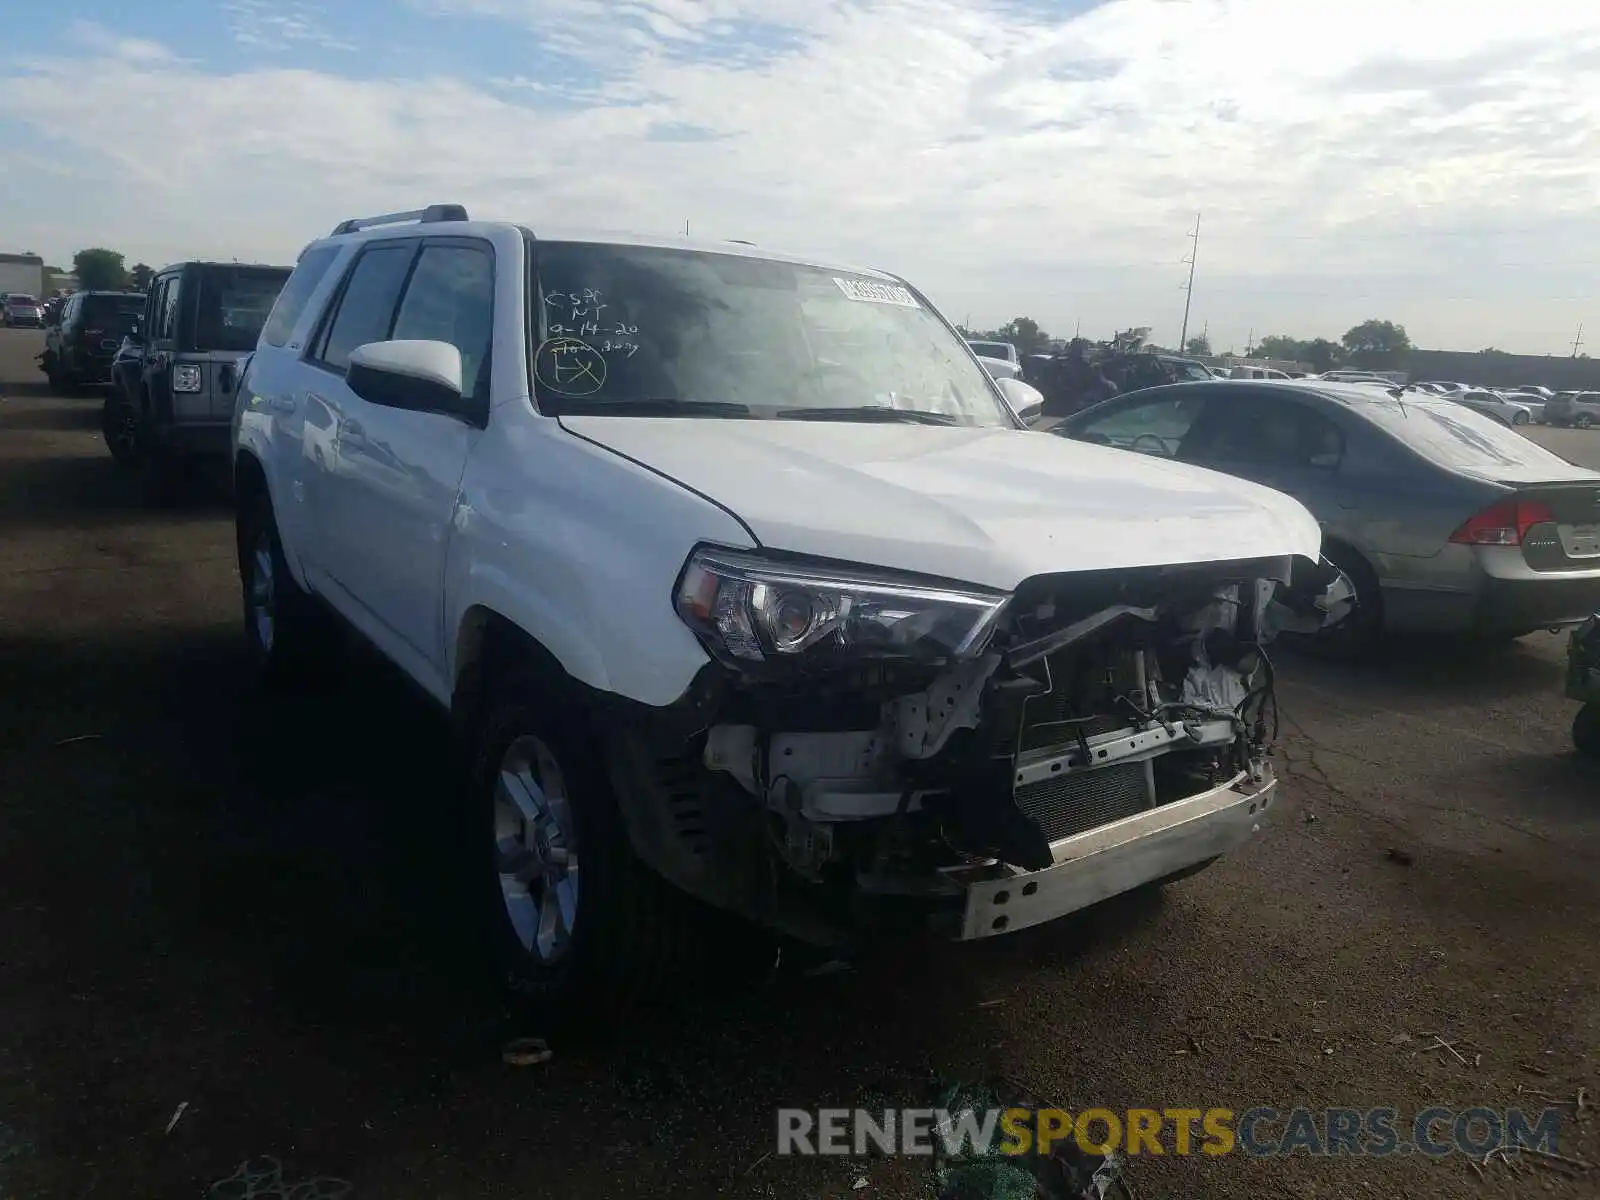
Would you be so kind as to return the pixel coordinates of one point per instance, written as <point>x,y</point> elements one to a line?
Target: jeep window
<point>621,324</point>
<point>366,306</point>
<point>234,303</point>
<point>296,294</point>
<point>167,317</point>
<point>450,298</point>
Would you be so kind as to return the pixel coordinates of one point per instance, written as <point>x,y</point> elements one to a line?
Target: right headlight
<point>751,609</point>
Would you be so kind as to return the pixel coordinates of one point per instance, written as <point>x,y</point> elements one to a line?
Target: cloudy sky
<point>1426,161</point>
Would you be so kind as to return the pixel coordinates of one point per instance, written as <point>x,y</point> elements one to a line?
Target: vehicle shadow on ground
<point>67,417</point>
<point>279,865</point>
<point>1459,670</point>
<point>74,490</point>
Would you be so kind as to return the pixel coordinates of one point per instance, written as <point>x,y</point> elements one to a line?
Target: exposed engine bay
<point>1101,699</point>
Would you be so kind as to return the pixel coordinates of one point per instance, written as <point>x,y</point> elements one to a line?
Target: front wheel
<point>1583,420</point>
<point>576,922</point>
<point>1520,418</point>
<point>119,424</point>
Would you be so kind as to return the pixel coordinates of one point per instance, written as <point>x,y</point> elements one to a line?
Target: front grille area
<point>1067,804</point>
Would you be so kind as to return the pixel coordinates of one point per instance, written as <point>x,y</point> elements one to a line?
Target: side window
<point>296,294</point>
<point>1156,427</point>
<point>365,310</point>
<point>451,299</point>
<point>1270,433</point>
<point>167,315</point>
<point>69,312</point>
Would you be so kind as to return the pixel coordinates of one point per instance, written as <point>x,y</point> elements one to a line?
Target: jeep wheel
<point>1586,731</point>
<point>289,637</point>
<point>119,423</point>
<point>602,940</point>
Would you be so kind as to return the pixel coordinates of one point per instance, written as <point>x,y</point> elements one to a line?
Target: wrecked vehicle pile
<point>1093,733</point>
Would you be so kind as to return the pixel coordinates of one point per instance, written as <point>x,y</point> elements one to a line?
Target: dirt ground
<point>236,907</point>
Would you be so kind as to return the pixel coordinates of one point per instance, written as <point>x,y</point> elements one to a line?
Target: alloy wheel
<point>536,849</point>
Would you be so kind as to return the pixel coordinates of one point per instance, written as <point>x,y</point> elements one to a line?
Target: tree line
<point>101,270</point>
<point>1373,344</point>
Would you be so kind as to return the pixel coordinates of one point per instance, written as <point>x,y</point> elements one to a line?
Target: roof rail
<point>427,216</point>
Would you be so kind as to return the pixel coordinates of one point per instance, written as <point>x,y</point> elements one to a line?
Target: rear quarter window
<point>1456,437</point>
<point>296,294</point>
<point>233,306</point>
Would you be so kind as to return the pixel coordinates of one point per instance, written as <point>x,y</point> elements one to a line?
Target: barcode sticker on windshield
<point>876,293</point>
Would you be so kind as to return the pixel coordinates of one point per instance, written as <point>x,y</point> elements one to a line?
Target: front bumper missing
<point>1111,859</point>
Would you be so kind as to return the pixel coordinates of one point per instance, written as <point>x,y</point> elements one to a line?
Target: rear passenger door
<point>393,493</point>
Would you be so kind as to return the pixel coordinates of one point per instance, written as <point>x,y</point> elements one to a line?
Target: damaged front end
<point>871,749</point>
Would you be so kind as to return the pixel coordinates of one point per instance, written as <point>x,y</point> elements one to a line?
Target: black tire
<point>1361,631</point>
<point>634,941</point>
<point>1586,731</point>
<point>1520,418</point>
<point>119,425</point>
<point>302,639</point>
<point>1583,420</point>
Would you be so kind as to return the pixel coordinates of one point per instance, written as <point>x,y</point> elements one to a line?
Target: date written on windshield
<point>581,314</point>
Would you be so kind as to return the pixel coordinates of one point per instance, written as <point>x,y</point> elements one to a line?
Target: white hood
<point>985,506</point>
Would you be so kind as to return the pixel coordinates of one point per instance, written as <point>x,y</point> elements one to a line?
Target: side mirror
<point>423,376</point>
<point>1025,400</point>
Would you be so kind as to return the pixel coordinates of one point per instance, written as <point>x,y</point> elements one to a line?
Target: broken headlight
<point>751,609</point>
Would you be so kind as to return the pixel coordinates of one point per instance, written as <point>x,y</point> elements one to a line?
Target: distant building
<point>22,273</point>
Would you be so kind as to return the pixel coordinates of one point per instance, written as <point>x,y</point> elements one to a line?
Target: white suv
<point>739,579</point>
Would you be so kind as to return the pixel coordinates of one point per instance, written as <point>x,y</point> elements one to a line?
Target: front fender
<point>579,548</point>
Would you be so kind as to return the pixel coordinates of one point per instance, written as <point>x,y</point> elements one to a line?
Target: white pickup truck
<point>744,589</point>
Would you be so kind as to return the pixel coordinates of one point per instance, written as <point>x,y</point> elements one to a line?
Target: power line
<point>1188,288</point>
<point>1577,342</point>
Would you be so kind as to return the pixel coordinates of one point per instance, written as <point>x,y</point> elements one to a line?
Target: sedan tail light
<point>1504,524</point>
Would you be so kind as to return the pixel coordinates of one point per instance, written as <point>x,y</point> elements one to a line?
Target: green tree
<point>1377,344</point>
<point>1023,333</point>
<point>1199,346</point>
<point>1280,346</point>
<point>1321,354</point>
<point>141,275</point>
<point>99,270</point>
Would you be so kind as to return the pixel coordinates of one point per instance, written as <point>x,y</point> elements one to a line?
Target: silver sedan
<point>1444,519</point>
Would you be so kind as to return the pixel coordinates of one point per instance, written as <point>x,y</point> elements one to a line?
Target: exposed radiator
<point>1067,804</point>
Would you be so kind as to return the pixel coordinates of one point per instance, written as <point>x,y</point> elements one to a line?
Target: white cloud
<point>109,42</point>
<point>276,25</point>
<point>1414,159</point>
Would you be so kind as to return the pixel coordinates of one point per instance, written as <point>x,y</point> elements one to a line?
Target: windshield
<point>234,303</point>
<point>19,301</point>
<point>622,326</point>
<point>1456,436</point>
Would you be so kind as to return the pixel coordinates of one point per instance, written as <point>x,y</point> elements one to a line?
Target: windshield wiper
<point>869,412</point>
<point>664,406</point>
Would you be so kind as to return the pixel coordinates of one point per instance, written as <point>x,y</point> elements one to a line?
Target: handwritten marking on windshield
<point>877,293</point>
<point>579,315</point>
<point>569,367</point>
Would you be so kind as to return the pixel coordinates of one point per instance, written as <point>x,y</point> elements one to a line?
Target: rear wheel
<point>1583,420</point>
<point>1361,630</point>
<point>289,637</point>
<point>1520,418</point>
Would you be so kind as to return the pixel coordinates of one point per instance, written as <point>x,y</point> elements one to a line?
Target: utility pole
<point>1577,342</point>
<point>1077,329</point>
<point>1188,288</point>
<point>686,228</point>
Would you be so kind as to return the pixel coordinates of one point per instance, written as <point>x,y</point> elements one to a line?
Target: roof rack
<point>427,216</point>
